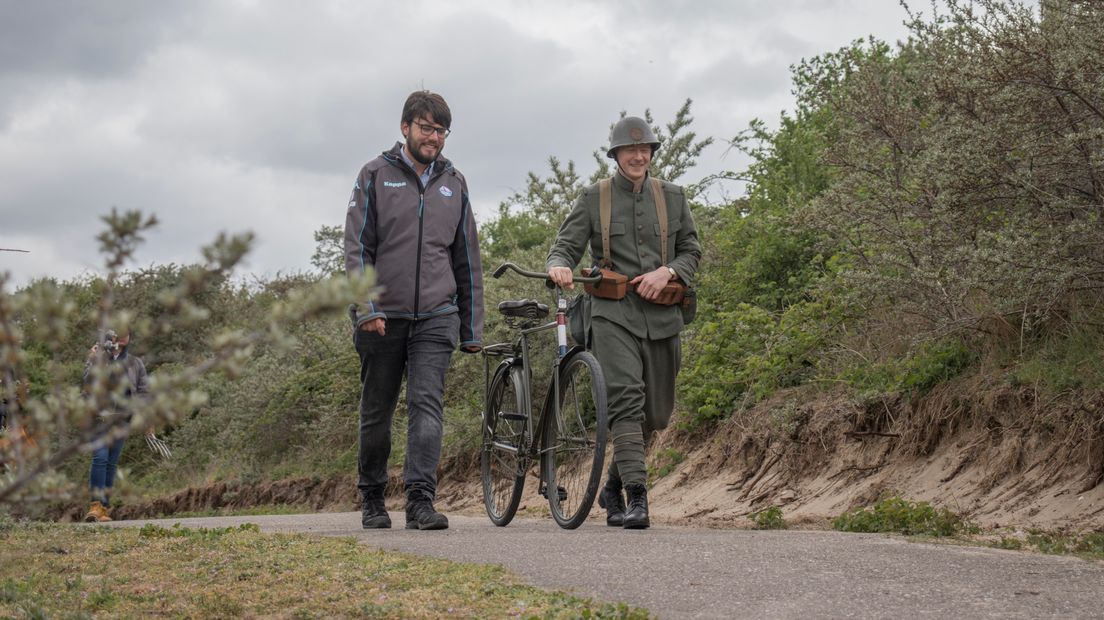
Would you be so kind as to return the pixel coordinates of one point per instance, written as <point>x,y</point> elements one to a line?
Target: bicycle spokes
<point>503,460</point>
<point>574,444</point>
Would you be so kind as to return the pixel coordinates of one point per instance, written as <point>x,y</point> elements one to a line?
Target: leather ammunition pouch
<point>678,294</point>
<point>671,294</point>
<point>613,285</point>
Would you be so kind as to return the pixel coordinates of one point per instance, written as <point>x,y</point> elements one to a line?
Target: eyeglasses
<point>428,130</point>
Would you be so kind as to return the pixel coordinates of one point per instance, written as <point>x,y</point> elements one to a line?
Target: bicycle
<point>568,438</point>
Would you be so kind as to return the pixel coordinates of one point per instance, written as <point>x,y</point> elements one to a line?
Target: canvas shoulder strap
<point>661,213</point>
<point>605,208</point>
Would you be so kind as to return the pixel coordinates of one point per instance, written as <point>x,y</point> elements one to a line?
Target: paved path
<point>679,572</point>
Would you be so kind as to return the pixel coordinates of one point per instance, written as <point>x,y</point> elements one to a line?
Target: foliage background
<point>929,211</point>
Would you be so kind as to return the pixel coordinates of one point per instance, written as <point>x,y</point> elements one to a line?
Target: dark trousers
<point>420,351</point>
<point>105,462</point>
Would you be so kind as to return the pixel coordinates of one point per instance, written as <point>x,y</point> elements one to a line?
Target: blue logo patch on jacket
<point>394,183</point>
<point>446,192</point>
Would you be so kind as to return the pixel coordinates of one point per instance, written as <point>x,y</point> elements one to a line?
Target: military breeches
<point>640,381</point>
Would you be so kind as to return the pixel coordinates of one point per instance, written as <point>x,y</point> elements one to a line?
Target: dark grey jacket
<point>129,370</point>
<point>421,241</point>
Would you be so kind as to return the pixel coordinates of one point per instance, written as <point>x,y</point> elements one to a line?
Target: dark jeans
<point>105,462</point>
<point>420,350</point>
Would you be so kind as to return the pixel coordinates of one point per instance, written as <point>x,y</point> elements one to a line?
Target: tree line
<point>927,211</point>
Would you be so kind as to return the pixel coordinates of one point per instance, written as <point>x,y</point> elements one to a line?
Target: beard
<point>415,148</point>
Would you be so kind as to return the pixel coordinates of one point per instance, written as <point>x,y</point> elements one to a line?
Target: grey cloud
<point>653,13</point>
<point>234,116</point>
<point>301,119</point>
<point>97,38</point>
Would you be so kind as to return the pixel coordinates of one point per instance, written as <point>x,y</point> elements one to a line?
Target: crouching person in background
<point>126,377</point>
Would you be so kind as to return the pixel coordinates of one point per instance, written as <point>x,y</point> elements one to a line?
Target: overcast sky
<point>256,115</point>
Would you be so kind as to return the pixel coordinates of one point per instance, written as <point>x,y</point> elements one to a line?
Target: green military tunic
<point>635,341</point>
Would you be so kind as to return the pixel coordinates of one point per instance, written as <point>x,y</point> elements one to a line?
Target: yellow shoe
<point>96,513</point>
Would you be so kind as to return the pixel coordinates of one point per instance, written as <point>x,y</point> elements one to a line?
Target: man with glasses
<point>410,220</point>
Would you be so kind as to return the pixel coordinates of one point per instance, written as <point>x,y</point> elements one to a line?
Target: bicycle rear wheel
<point>574,443</point>
<point>503,460</point>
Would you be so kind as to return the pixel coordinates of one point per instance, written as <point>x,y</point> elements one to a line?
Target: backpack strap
<point>605,208</point>
<point>661,212</point>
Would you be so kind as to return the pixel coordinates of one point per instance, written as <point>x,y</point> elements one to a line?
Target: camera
<point>110,343</point>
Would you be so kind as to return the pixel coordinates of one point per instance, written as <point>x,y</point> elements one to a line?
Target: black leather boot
<point>636,517</point>
<point>614,502</point>
<point>373,514</point>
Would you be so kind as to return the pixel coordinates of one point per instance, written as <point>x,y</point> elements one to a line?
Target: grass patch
<point>768,519</point>
<point>246,511</point>
<point>53,570</point>
<point>1072,361</point>
<point>896,515</point>
<point>1089,545</point>
<point>1086,545</point>
<point>1008,542</point>
<point>666,460</point>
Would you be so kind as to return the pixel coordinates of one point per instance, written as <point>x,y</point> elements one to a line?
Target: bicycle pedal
<point>516,417</point>
<point>561,493</point>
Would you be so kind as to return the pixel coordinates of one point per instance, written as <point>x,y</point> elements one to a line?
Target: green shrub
<point>746,354</point>
<point>896,515</point>
<point>917,373</point>
<point>768,519</point>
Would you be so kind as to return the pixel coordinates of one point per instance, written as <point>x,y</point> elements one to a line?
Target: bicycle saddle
<point>524,308</point>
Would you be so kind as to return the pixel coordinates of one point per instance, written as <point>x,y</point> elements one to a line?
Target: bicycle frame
<point>513,438</point>
<point>519,355</point>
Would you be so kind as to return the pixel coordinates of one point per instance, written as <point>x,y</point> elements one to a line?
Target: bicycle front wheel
<point>575,441</point>
<point>502,461</point>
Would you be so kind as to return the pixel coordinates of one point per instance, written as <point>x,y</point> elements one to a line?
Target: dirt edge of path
<point>965,449</point>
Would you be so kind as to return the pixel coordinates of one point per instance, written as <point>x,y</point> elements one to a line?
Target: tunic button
<point>639,241</point>
<point>640,227</point>
<point>640,213</point>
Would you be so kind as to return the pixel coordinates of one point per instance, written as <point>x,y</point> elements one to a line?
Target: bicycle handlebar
<point>542,276</point>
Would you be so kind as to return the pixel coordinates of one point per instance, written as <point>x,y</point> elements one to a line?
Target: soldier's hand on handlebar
<point>562,276</point>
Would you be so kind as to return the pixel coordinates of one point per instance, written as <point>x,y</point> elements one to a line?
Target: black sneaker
<point>373,515</point>
<point>420,515</point>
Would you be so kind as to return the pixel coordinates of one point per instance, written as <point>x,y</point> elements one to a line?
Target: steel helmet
<point>631,130</point>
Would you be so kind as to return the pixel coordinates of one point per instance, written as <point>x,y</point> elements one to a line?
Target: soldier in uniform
<point>635,339</point>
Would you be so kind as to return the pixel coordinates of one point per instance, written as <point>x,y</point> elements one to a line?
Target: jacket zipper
<point>418,266</point>
<point>421,227</point>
